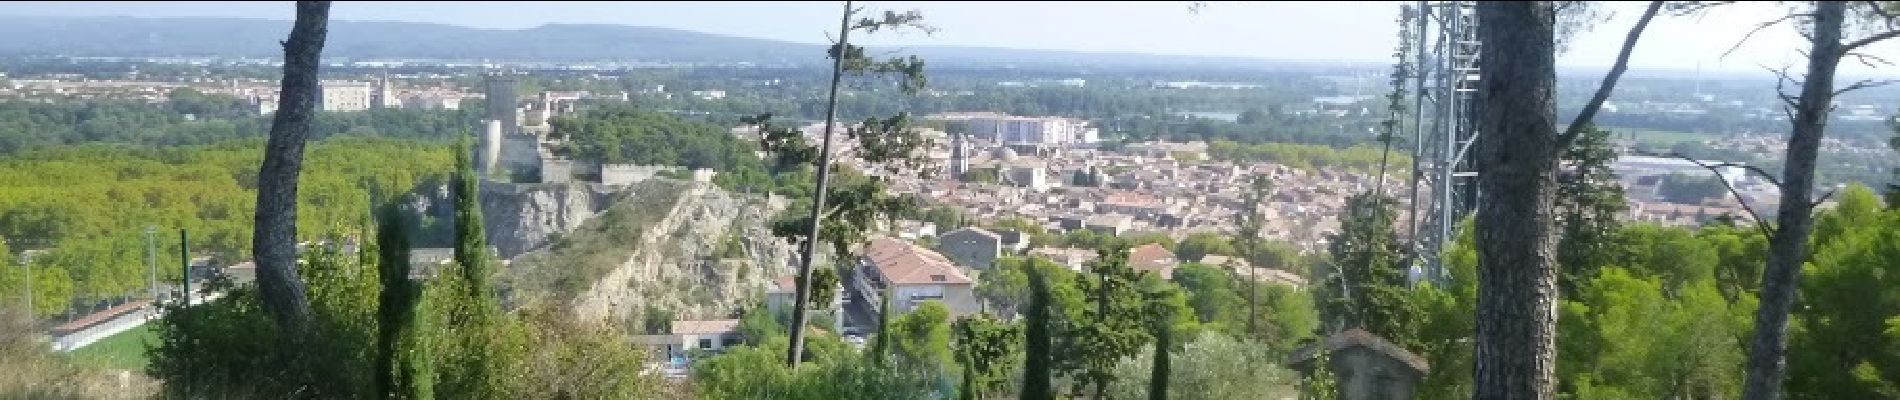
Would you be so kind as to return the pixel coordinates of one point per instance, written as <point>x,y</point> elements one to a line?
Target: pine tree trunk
<point>1767,362</point>
<point>809,248</point>
<point>274,235</point>
<point>1517,160</point>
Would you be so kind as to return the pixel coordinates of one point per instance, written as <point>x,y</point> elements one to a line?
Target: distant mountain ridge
<point>245,37</point>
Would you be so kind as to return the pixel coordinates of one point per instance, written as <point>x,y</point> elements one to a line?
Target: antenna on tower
<point>1443,181</point>
<point>1698,78</point>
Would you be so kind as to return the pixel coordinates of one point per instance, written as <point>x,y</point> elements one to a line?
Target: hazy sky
<point>1347,31</point>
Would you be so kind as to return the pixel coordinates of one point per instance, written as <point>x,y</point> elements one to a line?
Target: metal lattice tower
<point>1445,76</point>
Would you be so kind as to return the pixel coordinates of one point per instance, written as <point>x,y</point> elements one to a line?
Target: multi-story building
<point>974,248</point>
<point>912,275</point>
<point>1032,131</point>
<point>345,96</point>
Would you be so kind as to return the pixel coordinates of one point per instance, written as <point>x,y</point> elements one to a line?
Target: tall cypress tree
<point>1036,356</point>
<point>470,310</point>
<point>883,341</point>
<point>1164,333</point>
<point>394,296</point>
<point>967,391</point>
<point>404,362</point>
<point>471,246</point>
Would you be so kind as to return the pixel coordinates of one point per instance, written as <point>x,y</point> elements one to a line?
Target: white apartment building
<point>345,95</point>
<point>1033,131</point>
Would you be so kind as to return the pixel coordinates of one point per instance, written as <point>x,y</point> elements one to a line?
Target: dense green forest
<point>1669,312</point>
<point>88,206</point>
<point>626,134</point>
<point>81,181</point>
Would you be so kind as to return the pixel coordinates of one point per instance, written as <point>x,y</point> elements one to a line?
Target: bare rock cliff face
<point>522,217</point>
<point>659,245</point>
<point>516,217</point>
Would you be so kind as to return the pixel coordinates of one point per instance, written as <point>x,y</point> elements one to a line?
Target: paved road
<point>857,312</point>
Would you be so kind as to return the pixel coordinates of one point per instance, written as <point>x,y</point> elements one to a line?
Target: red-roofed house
<point>912,275</point>
<point>1153,258</point>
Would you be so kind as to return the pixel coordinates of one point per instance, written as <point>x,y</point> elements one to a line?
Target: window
<point>729,341</point>
<point>705,344</point>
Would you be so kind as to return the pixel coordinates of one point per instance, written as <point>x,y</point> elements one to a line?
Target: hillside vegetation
<point>88,206</point>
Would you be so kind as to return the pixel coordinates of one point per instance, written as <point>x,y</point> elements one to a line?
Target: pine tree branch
<point>1759,222</point>
<point>1758,28</point>
<point>1781,80</point>
<point>1864,84</point>
<point>1609,81</point>
<point>1692,7</point>
<point>1869,60</point>
<point>1863,42</point>
<point>1824,197</point>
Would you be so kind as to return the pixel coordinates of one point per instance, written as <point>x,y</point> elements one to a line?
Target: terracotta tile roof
<point>903,263</point>
<point>707,327</point>
<point>1152,257</point>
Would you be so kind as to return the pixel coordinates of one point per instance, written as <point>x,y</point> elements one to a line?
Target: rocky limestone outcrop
<point>659,245</point>
<point>516,217</point>
<point>519,217</point>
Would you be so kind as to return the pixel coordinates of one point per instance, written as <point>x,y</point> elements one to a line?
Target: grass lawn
<point>125,350</point>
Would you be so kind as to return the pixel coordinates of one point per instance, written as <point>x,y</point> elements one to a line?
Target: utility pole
<point>29,290</point>
<point>184,257</point>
